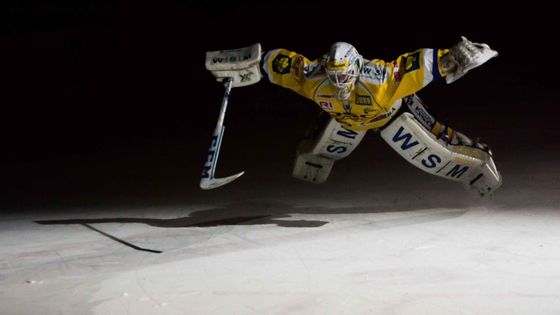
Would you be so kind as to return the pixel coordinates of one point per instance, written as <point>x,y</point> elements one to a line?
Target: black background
<point>107,79</point>
<point>79,76</point>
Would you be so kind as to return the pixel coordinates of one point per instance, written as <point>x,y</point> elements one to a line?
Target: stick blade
<point>211,183</point>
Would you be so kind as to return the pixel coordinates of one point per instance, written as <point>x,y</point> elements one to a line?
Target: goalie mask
<point>343,64</point>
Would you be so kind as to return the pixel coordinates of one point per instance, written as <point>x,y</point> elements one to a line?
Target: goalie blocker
<point>234,68</point>
<point>241,65</point>
<point>408,134</point>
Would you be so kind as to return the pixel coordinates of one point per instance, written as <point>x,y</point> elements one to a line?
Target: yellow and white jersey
<point>377,94</point>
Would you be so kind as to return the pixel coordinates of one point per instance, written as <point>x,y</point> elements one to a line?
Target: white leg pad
<point>473,167</point>
<point>312,168</point>
<point>315,157</point>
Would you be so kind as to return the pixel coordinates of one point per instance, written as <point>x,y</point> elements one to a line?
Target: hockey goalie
<point>358,94</point>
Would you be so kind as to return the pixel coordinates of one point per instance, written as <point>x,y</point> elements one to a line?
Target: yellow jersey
<point>378,91</point>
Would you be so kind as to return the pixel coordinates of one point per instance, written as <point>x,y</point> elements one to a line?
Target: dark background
<point>119,87</point>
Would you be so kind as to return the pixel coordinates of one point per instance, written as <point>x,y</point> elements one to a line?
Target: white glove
<point>465,56</point>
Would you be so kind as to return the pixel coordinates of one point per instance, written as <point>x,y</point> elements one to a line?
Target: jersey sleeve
<point>411,72</point>
<point>288,69</point>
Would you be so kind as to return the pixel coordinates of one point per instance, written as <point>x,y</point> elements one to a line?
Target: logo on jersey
<point>326,105</point>
<point>363,100</point>
<point>281,64</point>
<point>412,62</point>
<point>386,114</point>
<point>375,73</point>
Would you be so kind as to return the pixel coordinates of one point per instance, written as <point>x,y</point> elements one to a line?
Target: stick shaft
<point>209,168</point>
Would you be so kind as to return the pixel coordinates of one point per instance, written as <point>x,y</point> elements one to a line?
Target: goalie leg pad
<point>335,142</point>
<point>316,157</point>
<point>312,168</point>
<point>472,167</point>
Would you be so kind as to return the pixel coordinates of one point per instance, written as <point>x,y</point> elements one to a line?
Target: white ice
<point>399,242</point>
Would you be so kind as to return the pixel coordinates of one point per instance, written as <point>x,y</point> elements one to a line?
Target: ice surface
<point>399,242</point>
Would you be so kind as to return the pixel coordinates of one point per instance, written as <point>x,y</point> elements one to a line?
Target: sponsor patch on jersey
<point>374,73</point>
<point>363,100</point>
<point>326,105</point>
<point>281,64</point>
<point>368,110</point>
<point>388,113</point>
<point>325,95</point>
<point>412,62</point>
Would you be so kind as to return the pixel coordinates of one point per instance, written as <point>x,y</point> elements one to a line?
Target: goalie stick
<point>208,181</point>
